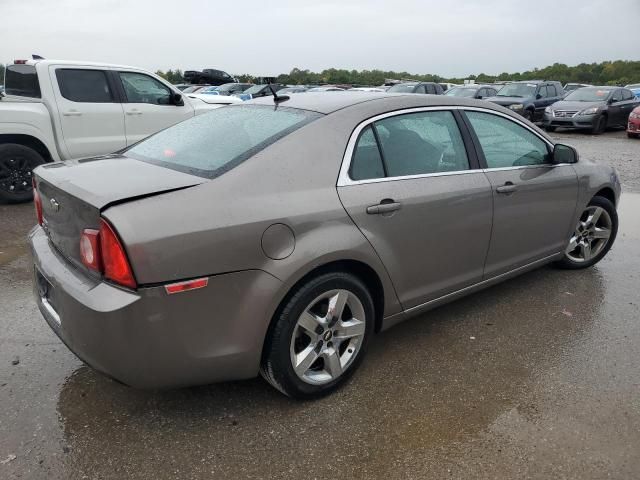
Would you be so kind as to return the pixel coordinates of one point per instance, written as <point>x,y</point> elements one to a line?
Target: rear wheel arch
<point>28,141</point>
<point>361,270</point>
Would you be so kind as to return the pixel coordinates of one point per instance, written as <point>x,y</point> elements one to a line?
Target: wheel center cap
<point>327,335</point>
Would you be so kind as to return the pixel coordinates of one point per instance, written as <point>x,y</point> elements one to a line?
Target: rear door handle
<point>507,188</point>
<point>385,206</point>
<point>72,113</point>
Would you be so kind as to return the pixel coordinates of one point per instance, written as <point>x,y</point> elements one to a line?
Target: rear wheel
<point>528,114</point>
<point>320,336</point>
<point>16,165</point>
<point>593,236</point>
<point>600,126</point>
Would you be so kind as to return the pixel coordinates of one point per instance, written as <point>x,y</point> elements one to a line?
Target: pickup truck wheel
<point>16,164</point>
<point>528,114</point>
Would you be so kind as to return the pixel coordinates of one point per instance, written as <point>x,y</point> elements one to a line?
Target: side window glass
<point>431,89</point>
<point>141,88</point>
<point>421,89</point>
<point>543,92</point>
<point>366,162</point>
<point>627,95</point>
<point>551,90</point>
<point>505,143</point>
<point>617,95</point>
<point>421,143</point>
<point>84,86</point>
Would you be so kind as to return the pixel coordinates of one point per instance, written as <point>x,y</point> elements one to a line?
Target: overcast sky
<point>449,38</point>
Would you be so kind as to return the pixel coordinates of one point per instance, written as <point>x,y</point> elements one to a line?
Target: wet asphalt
<point>538,377</point>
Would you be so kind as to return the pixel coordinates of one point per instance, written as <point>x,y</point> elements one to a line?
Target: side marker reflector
<point>185,286</point>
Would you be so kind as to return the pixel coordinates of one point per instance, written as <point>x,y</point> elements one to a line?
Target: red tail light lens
<point>115,264</point>
<point>37,202</point>
<point>90,249</point>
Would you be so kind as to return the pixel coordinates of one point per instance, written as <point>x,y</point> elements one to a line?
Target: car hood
<point>569,105</point>
<point>507,100</point>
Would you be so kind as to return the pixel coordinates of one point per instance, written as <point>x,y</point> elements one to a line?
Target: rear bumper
<point>579,121</point>
<point>149,339</point>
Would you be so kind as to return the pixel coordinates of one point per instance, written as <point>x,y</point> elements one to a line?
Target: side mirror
<point>479,97</point>
<point>564,154</point>
<point>610,101</point>
<point>176,99</point>
<point>538,96</point>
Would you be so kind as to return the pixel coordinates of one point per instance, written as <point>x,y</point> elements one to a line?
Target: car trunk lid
<point>73,193</point>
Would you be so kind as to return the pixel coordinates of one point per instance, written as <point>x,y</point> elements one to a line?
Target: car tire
<point>16,164</point>
<point>632,135</point>
<point>299,335</point>
<point>588,231</point>
<point>550,129</point>
<point>600,126</point>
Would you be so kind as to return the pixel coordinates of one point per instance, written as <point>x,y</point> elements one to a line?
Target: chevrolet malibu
<point>278,236</point>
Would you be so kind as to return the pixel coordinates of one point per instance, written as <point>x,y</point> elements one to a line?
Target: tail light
<point>37,202</point>
<point>101,251</point>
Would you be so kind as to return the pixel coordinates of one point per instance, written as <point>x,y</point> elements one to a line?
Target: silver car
<point>278,236</point>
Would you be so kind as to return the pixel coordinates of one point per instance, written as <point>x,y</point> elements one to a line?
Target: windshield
<point>192,89</point>
<point>208,145</point>
<point>588,94</point>
<point>517,90</point>
<point>402,88</point>
<point>461,92</point>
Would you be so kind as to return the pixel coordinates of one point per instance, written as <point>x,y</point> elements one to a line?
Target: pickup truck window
<point>141,88</point>
<point>85,86</point>
<point>22,81</point>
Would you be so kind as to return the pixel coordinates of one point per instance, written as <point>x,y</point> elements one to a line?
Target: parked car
<point>569,87</point>
<point>367,89</point>
<point>208,91</point>
<point>529,98</point>
<point>635,88</point>
<point>194,88</point>
<point>417,87</point>
<point>58,110</point>
<point>446,86</point>
<point>592,108</point>
<point>182,86</point>
<point>231,88</point>
<point>326,88</point>
<point>296,89</point>
<point>210,76</point>
<point>303,241</point>
<point>633,126</point>
<point>472,91</point>
<point>258,91</point>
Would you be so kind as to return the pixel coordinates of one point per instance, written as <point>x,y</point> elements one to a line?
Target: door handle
<point>507,188</point>
<point>385,206</point>
<point>134,112</point>
<point>72,113</point>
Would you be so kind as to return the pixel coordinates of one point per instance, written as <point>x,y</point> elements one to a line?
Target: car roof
<point>329,102</point>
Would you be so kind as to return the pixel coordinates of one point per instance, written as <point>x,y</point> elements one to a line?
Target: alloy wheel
<point>591,235</point>
<point>15,175</point>
<point>327,337</point>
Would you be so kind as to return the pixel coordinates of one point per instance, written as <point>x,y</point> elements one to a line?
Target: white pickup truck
<point>58,110</point>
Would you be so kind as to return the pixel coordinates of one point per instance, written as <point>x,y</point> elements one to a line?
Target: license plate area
<point>46,292</point>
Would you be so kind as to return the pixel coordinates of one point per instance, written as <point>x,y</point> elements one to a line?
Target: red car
<point>633,127</point>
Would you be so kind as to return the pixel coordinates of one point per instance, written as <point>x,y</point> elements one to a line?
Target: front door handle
<point>72,113</point>
<point>134,112</point>
<point>507,188</point>
<point>385,206</point>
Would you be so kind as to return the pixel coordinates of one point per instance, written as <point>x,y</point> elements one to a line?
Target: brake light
<point>20,62</point>
<point>37,202</point>
<point>114,259</point>
<point>102,252</point>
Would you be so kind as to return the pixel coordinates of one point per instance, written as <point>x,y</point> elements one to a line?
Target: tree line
<point>618,72</point>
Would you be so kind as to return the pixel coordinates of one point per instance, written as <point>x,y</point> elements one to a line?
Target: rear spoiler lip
<point>144,195</point>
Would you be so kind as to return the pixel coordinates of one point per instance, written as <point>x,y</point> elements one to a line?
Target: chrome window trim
<point>344,179</point>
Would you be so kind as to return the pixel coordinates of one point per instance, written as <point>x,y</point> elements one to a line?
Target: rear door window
<point>22,81</point>
<point>421,143</point>
<point>86,86</point>
<point>367,162</point>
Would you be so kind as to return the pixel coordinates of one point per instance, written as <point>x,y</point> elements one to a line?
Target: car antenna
<point>277,98</point>
<point>36,57</point>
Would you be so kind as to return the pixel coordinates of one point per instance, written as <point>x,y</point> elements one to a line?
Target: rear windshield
<point>210,144</point>
<point>22,80</point>
<point>462,92</point>
<point>402,88</point>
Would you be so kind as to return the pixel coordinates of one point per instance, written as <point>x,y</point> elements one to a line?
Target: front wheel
<point>319,336</point>
<point>16,165</point>
<point>632,135</point>
<point>600,125</point>
<point>593,236</point>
